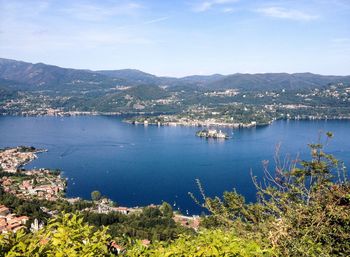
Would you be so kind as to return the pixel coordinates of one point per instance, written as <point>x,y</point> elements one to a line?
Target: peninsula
<point>28,184</point>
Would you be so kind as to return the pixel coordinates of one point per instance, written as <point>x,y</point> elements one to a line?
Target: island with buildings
<point>190,121</point>
<point>212,133</point>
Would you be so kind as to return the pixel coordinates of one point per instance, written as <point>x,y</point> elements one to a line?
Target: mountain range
<point>28,76</point>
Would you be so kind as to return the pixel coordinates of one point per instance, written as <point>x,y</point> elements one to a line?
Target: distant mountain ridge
<point>277,81</point>
<point>39,76</point>
<point>42,76</point>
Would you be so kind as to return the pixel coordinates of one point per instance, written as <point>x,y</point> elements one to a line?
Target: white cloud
<point>157,20</point>
<point>203,6</point>
<point>39,27</point>
<point>290,14</point>
<point>228,10</point>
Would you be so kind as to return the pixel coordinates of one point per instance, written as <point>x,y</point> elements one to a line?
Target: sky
<point>180,37</point>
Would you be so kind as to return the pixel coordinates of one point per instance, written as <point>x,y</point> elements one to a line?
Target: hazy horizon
<point>180,38</point>
<point>209,74</point>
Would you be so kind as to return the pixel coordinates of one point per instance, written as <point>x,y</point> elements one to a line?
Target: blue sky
<point>178,38</point>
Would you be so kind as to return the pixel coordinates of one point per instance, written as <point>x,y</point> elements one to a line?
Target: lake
<point>137,165</point>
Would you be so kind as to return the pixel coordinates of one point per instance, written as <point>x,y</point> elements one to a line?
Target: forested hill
<point>29,76</point>
<point>40,76</point>
<point>273,81</point>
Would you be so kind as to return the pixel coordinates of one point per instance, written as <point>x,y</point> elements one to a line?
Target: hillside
<point>132,76</point>
<point>41,76</point>
<point>45,77</point>
<point>276,81</point>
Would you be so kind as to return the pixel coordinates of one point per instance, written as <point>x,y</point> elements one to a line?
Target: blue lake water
<point>137,165</point>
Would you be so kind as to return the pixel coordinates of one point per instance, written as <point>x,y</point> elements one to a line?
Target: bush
<point>66,235</point>
<point>206,243</point>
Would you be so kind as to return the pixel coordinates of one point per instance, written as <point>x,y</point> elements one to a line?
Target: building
<point>10,222</point>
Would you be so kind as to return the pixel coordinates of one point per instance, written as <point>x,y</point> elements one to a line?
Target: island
<point>212,133</point>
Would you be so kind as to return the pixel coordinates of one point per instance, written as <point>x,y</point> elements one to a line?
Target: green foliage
<point>166,210</point>
<point>66,235</point>
<point>153,223</point>
<point>95,195</point>
<point>206,243</point>
<point>27,149</point>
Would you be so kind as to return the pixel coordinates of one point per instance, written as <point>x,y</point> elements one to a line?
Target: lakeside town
<point>177,120</point>
<point>48,185</point>
<point>200,107</point>
<point>27,184</point>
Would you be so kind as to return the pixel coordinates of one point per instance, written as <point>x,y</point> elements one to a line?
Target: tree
<point>95,195</point>
<point>166,209</point>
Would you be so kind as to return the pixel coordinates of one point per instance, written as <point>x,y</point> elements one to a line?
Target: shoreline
<point>35,156</point>
<point>203,124</point>
<point>78,113</point>
<point>198,124</point>
<point>19,169</point>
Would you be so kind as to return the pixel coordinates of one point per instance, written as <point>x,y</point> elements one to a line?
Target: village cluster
<point>9,221</point>
<point>26,184</point>
<point>12,159</point>
<point>42,184</point>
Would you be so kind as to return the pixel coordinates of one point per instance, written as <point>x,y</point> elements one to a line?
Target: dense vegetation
<point>153,223</point>
<point>303,209</point>
<point>66,235</point>
<point>214,242</point>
